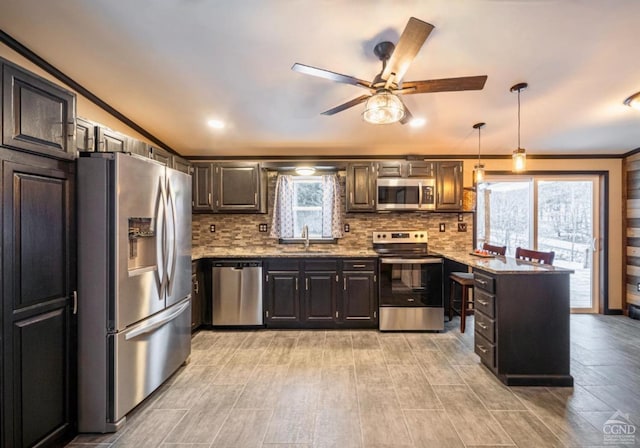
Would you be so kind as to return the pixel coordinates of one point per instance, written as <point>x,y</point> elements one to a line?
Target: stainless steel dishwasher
<point>236,293</point>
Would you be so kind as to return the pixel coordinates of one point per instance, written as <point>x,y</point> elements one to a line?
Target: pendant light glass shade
<point>519,160</point>
<point>383,108</point>
<point>519,157</point>
<point>633,101</point>
<point>478,169</point>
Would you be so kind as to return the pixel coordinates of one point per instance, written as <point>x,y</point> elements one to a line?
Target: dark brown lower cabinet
<point>359,306</point>
<point>38,370</point>
<point>320,293</point>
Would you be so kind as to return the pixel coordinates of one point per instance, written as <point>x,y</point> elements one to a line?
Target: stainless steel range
<point>410,295</point>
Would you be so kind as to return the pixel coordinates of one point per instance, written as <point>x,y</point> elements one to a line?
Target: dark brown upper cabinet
<point>406,168</point>
<point>449,186</point>
<point>229,187</point>
<point>161,155</point>
<point>108,140</point>
<point>181,164</point>
<point>37,115</point>
<point>361,187</point>
<point>85,135</point>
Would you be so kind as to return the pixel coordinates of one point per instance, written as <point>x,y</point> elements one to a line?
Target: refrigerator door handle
<point>172,249</point>
<point>160,240</point>
<point>151,326</point>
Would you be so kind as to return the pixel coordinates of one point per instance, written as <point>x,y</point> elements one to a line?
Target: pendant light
<point>478,170</point>
<point>519,155</point>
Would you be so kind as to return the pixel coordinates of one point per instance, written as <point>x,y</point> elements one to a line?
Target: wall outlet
<point>462,227</point>
<point>346,228</point>
<point>442,227</point>
<point>212,228</point>
<point>262,228</point>
<point>460,217</point>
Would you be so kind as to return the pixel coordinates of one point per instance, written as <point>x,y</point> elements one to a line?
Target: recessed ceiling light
<point>417,122</point>
<point>305,170</point>
<point>216,124</point>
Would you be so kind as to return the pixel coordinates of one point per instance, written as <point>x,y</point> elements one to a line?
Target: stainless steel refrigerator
<point>134,283</point>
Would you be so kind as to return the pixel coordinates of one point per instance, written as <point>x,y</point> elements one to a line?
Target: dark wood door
<point>421,169</point>
<point>283,304</point>
<point>161,155</point>
<point>202,179</point>
<point>358,298</point>
<point>319,297</point>
<point>181,164</point>
<point>37,115</point>
<point>361,185</point>
<point>39,342</point>
<point>449,186</point>
<point>391,168</point>
<point>237,187</point>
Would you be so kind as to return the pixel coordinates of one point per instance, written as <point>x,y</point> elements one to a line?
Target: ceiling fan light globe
<point>383,108</point>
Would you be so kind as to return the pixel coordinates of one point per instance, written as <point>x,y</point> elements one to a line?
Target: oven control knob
<point>384,235</point>
<point>422,235</point>
<point>415,236</point>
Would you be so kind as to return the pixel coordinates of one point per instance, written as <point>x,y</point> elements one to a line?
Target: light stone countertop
<point>503,265</point>
<point>286,251</point>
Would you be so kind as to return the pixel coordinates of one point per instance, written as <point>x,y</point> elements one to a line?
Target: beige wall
<point>616,223</point>
<point>85,108</point>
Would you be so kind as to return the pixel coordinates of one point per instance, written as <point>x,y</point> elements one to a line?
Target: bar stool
<point>465,281</point>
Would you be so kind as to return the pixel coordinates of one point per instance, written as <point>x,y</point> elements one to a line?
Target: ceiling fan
<point>384,104</point>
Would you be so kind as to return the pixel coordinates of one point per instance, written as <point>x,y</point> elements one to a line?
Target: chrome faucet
<point>305,236</point>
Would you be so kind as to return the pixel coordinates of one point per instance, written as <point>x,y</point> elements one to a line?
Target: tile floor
<point>276,389</point>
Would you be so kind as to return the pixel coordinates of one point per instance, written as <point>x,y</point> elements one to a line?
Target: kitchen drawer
<point>320,265</point>
<point>484,282</point>
<point>283,264</point>
<point>484,303</point>
<point>486,327</point>
<point>485,350</point>
<point>359,265</point>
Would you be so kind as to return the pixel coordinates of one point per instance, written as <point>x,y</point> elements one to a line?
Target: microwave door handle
<point>419,194</point>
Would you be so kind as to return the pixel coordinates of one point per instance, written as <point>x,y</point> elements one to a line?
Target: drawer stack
<point>485,318</point>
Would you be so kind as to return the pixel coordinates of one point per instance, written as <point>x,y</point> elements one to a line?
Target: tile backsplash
<point>242,230</point>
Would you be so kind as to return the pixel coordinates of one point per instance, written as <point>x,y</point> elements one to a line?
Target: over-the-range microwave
<point>401,193</point>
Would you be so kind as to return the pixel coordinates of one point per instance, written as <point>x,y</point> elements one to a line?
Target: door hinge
<point>375,278</point>
<point>375,314</point>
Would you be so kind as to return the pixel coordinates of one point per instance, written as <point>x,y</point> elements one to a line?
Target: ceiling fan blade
<point>347,105</point>
<point>332,76</point>
<point>444,85</point>
<point>411,40</point>
<point>407,114</point>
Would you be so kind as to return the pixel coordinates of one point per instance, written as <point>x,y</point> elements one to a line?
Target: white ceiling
<point>171,65</point>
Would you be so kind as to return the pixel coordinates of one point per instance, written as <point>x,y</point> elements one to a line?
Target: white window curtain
<point>282,225</point>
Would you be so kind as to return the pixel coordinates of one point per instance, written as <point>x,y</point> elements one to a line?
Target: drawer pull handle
<point>359,265</point>
<point>482,349</point>
<point>482,302</point>
<point>482,282</point>
<point>483,326</point>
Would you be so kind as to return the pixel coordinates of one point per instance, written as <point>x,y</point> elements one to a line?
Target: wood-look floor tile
<point>377,396</point>
<point>365,340</point>
<point>413,389</point>
<point>585,375</point>
<point>338,388</point>
<point>364,357</point>
<point>420,341</point>
<point>457,353</point>
<point>296,394</point>
<point>290,425</point>
<point>150,431</point>
<point>619,398</point>
<point>179,397</point>
<point>437,369</point>
<point>203,421</point>
<point>311,339</point>
<point>525,429</point>
<point>240,367</point>
<point>571,428</point>
<point>474,424</point>
<point>258,340</point>
<point>384,428</point>
<point>262,391</point>
<point>396,350</point>
<point>279,351</point>
<point>373,374</point>
<point>195,375</point>
<point>492,393</point>
<point>580,399</point>
<point>337,428</point>
<point>243,428</point>
<point>429,428</point>
<point>286,445</point>
<point>217,356</point>
<point>338,350</point>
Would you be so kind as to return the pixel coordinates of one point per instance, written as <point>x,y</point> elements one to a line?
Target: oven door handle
<point>411,260</point>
